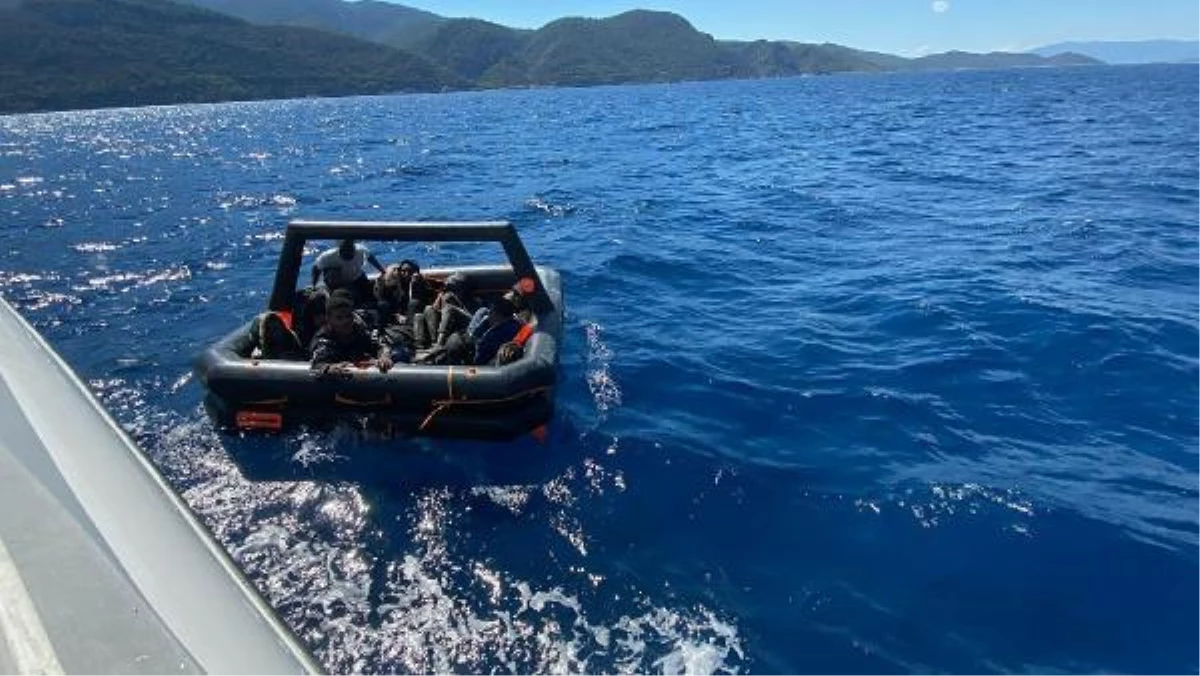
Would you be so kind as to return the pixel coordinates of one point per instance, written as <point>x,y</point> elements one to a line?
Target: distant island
<point>1139,51</point>
<point>73,54</point>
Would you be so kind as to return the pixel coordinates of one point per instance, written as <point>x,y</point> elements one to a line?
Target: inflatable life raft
<point>477,402</point>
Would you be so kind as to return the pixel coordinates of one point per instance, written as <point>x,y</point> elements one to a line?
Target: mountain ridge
<point>62,54</point>
<point>513,62</point>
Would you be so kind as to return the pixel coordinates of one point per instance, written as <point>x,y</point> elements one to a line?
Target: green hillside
<point>637,46</point>
<point>64,54</point>
<point>372,20</point>
<point>646,46</point>
<point>784,59</point>
<point>470,47</point>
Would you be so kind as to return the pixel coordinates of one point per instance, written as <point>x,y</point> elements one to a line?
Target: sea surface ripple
<point>871,373</point>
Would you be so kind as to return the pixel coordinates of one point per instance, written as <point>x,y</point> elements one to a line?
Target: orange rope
<point>439,406</point>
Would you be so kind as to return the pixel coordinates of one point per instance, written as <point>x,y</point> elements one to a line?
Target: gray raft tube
<point>478,402</point>
<point>103,568</point>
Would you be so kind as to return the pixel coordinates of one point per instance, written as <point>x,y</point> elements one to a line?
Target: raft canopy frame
<point>299,232</point>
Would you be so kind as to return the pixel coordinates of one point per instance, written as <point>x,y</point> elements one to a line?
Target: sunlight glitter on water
<point>433,609</point>
<point>605,389</point>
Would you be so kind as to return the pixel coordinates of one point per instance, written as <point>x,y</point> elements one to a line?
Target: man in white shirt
<point>342,268</point>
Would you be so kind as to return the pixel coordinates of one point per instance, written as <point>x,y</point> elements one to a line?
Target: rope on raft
<point>445,404</point>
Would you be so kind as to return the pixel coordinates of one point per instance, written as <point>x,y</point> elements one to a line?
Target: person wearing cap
<point>345,339</point>
<point>516,296</point>
<point>344,267</point>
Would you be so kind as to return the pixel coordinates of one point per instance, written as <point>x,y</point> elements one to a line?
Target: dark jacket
<point>489,343</point>
<point>357,347</point>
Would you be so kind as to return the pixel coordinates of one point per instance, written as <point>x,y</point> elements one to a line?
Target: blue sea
<point>861,373</point>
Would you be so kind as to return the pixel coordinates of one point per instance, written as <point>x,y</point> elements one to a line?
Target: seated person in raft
<point>345,340</point>
<point>270,338</point>
<point>344,268</point>
<point>401,293</point>
<point>499,328</point>
<point>447,315</point>
<point>521,310</point>
<point>310,316</point>
<point>491,329</point>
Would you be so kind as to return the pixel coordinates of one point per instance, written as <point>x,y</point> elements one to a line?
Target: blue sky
<point>903,27</point>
